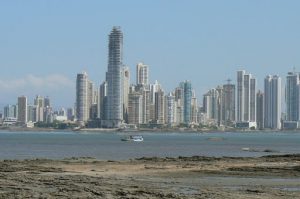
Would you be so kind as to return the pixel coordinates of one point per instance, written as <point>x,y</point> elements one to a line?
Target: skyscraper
<point>40,104</point>
<point>160,107</point>
<point>142,74</point>
<point>170,109</point>
<point>211,104</point>
<point>22,109</point>
<point>246,100</point>
<point>102,99</point>
<point>240,96</point>
<point>10,111</point>
<point>114,104</point>
<point>187,101</point>
<point>82,97</point>
<point>228,112</point>
<point>272,113</point>
<point>292,96</point>
<point>135,108</point>
<point>126,84</point>
<point>260,110</point>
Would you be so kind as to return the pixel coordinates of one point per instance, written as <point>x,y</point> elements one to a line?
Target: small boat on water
<point>135,138</point>
<point>245,149</point>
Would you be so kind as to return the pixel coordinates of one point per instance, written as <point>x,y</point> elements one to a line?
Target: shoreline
<point>272,176</point>
<point>106,130</point>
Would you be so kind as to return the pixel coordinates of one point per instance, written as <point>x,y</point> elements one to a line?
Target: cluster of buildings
<point>244,106</point>
<point>117,103</point>
<point>26,114</point>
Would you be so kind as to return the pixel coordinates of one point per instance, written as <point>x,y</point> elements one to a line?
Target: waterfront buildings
<point>272,102</point>
<point>115,88</point>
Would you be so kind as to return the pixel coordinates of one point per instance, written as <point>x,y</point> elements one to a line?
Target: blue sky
<point>45,43</point>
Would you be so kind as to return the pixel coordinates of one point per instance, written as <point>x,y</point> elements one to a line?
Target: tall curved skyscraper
<point>114,105</point>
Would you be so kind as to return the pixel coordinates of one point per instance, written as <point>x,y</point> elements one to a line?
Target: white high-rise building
<point>246,99</point>
<point>272,102</point>
<point>211,104</point>
<point>82,97</point>
<point>142,74</point>
<point>114,78</point>
<point>135,108</point>
<point>170,109</point>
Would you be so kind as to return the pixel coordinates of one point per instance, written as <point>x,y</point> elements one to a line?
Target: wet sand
<point>182,177</point>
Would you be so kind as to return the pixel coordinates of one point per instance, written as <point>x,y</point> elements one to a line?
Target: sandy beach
<point>182,177</point>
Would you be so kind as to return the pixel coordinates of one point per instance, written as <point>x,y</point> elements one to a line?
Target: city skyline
<point>44,57</point>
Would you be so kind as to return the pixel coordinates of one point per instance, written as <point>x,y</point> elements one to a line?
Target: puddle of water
<point>289,188</point>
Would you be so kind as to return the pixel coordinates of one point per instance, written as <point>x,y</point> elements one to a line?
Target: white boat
<point>245,149</point>
<point>135,138</point>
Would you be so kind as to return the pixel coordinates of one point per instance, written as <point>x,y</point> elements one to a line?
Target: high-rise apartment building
<point>142,74</point>
<point>228,103</point>
<point>194,108</point>
<point>292,96</point>
<point>31,113</point>
<point>126,85</point>
<point>246,99</point>
<point>187,100</point>
<point>179,103</point>
<point>135,108</point>
<point>170,109</point>
<point>260,110</point>
<point>82,97</point>
<point>10,111</point>
<point>211,104</point>
<point>102,99</point>
<point>272,102</point>
<point>146,105</point>
<point>22,109</point>
<point>40,104</point>
<point>160,107</point>
<point>114,78</point>
<point>153,89</point>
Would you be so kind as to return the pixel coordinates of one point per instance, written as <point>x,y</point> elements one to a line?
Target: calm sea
<point>108,146</point>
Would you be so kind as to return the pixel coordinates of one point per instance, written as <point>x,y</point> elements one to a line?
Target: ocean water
<point>108,146</point>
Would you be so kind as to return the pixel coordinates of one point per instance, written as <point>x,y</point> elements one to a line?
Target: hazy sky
<point>45,43</point>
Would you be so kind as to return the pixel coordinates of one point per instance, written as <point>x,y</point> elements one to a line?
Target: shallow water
<point>58,145</point>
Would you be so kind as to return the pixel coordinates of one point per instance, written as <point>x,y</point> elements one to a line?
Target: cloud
<point>49,82</point>
<point>59,88</point>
